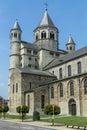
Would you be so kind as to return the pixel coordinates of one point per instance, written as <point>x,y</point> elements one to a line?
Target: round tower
<point>15,35</point>
<point>70,46</point>
<point>46,34</point>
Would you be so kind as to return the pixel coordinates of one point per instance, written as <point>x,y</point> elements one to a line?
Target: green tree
<point>4,109</point>
<point>52,110</point>
<point>22,110</point>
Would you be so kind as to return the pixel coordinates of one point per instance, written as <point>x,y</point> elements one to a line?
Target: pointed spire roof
<point>70,40</point>
<point>46,20</point>
<point>16,25</point>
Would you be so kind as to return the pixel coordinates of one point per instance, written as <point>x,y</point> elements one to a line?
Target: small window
<point>69,70</point>
<point>35,59</point>
<point>61,90</point>
<point>70,47</point>
<point>29,58</point>
<point>42,101</point>
<point>13,88</point>
<point>28,100</point>
<point>52,92</point>
<point>43,35</point>
<point>29,51</point>
<point>85,86</point>
<point>51,53</point>
<point>36,67</point>
<point>35,52</point>
<point>16,87</point>
<point>36,36</point>
<point>52,35</point>
<point>71,89</point>
<point>29,65</point>
<point>30,85</point>
<point>15,35</point>
<point>60,73</point>
<point>79,67</point>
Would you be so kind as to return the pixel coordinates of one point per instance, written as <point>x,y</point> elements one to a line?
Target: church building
<point>41,73</point>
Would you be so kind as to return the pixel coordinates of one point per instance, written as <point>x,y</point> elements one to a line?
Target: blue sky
<point>70,16</point>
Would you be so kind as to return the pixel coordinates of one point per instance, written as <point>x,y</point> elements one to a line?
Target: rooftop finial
<point>46,5</point>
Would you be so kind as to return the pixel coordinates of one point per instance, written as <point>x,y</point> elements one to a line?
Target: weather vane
<point>46,5</point>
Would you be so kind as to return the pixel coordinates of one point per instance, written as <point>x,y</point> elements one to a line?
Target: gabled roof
<point>46,20</point>
<point>35,72</point>
<point>29,45</point>
<point>67,57</point>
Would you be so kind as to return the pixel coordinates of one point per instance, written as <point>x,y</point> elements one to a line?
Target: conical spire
<point>16,25</point>
<point>46,20</point>
<point>70,40</point>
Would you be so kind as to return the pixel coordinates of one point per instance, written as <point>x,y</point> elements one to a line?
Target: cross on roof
<point>46,5</point>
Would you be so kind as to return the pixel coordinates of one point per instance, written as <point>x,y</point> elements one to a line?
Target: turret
<point>15,35</point>
<point>46,34</point>
<point>70,46</point>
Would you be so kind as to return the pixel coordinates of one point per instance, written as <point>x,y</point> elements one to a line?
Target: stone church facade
<point>40,73</point>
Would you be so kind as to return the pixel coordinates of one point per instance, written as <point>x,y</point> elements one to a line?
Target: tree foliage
<point>22,109</point>
<point>4,108</point>
<point>49,110</point>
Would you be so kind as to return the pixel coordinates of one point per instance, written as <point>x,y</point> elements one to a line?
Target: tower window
<point>70,48</point>
<point>29,51</point>
<point>15,35</point>
<point>52,35</point>
<point>29,65</point>
<point>43,35</point>
<point>36,36</point>
<point>29,58</point>
<point>16,87</point>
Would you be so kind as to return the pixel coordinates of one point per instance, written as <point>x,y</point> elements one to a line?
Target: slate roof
<point>16,25</point>
<point>67,57</point>
<point>29,45</point>
<point>46,20</point>
<point>35,72</point>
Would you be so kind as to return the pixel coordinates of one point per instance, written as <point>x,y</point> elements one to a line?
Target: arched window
<point>71,89</point>
<point>51,35</point>
<point>52,92</point>
<point>43,35</point>
<point>79,67</point>
<point>13,88</point>
<point>15,35</point>
<point>70,47</point>
<point>69,70</point>
<point>60,73</point>
<point>36,36</point>
<point>16,87</point>
<point>42,101</point>
<point>61,90</point>
<point>85,86</point>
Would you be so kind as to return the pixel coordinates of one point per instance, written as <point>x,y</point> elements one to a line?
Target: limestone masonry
<point>40,73</point>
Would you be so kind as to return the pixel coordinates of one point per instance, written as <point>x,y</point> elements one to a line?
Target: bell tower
<point>15,35</point>
<point>46,34</point>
